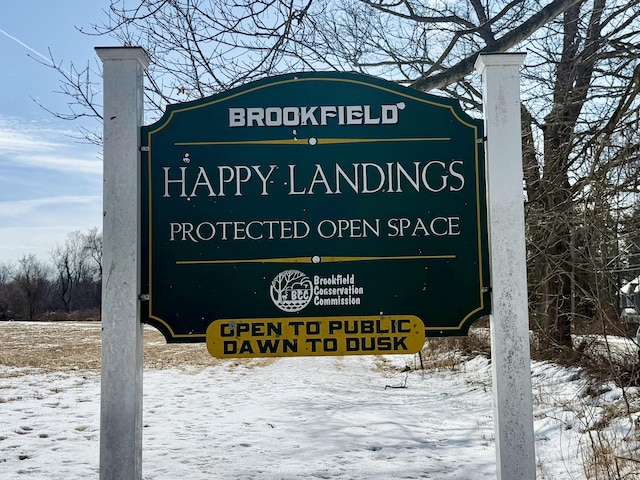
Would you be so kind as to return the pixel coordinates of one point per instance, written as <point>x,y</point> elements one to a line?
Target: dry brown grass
<point>447,353</point>
<point>60,346</point>
<point>50,345</point>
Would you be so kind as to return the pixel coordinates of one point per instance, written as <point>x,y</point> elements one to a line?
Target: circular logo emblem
<point>291,290</point>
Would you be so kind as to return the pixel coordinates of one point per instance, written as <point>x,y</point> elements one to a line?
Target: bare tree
<point>92,247</point>
<point>580,112</point>
<point>580,97</point>
<point>77,265</point>
<point>584,159</point>
<point>69,262</point>
<point>201,47</point>
<point>6,274</point>
<point>31,278</point>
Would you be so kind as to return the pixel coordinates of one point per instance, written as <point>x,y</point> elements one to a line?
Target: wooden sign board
<point>316,200</point>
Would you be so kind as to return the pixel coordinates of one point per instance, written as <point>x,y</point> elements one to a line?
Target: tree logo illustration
<point>291,290</point>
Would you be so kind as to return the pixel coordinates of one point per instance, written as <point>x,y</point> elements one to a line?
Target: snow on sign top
<point>274,210</point>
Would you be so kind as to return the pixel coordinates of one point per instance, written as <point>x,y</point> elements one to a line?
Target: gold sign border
<point>294,79</point>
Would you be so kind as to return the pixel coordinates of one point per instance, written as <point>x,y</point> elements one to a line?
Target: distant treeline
<point>66,286</point>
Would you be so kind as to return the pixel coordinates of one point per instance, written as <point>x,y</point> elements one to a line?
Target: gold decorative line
<point>334,141</point>
<point>314,259</point>
<point>402,257</point>
<point>314,141</point>
<point>290,141</point>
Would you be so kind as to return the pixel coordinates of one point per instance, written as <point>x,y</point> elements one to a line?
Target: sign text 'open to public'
<point>290,337</point>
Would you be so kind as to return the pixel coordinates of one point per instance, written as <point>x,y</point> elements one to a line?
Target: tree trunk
<point>574,74</point>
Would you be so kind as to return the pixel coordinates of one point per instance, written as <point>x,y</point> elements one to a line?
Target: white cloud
<point>34,145</point>
<point>36,207</point>
<point>17,139</point>
<point>62,163</point>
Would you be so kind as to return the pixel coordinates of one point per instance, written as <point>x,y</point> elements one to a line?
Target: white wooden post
<point>510,354</point>
<point>121,389</point>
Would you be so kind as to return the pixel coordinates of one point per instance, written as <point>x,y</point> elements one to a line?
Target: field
<point>64,346</point>
<point>334,418</point>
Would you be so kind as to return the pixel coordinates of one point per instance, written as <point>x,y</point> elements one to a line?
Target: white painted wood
<point>121,388</point>
<point>510,354</point>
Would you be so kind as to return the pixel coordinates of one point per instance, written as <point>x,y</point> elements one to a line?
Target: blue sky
<point>50,182</point>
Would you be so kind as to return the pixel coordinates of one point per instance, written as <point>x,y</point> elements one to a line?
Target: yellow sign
<point>311,336</point>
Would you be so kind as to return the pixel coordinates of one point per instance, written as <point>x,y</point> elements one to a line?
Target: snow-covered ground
<point>301,418</point>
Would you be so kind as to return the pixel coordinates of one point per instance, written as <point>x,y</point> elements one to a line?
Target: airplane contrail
<point>48,61</point>
<point>17,40</point>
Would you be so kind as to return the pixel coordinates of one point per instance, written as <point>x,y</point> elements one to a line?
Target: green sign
<point>308,199</point>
